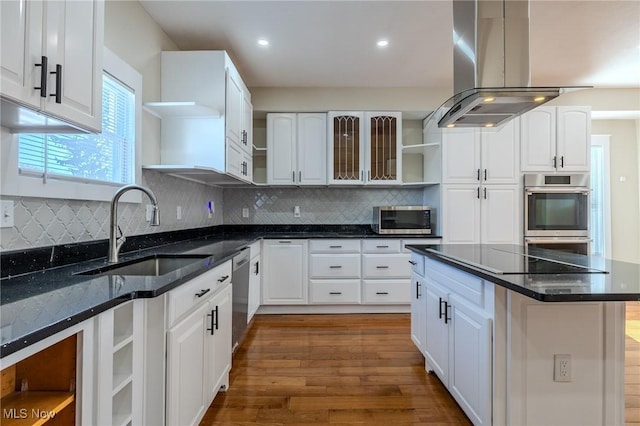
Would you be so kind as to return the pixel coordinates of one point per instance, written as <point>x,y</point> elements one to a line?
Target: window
<point>82,166</point>
<point>600,223</point>
<point>106,157</point>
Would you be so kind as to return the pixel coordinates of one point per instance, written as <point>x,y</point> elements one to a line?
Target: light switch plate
<point>6,214</point>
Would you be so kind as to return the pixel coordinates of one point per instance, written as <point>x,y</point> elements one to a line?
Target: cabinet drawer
<point>254,249</point>
<point>386,266</point>
<point>335,291</point>
<point>417,263</point>
<point>419,242</point>
<point>188,296</point>
<point>334,266</point>
<point>334,246</point>
<point>459,282</point>
<point>381,245</point>
<point>386,292</point>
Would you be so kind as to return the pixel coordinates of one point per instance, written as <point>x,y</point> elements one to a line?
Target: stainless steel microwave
<point>401,220</point>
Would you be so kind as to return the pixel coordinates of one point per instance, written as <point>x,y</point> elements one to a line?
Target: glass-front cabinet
<point>384,147</point>
<point>346,152</point>
<point>365,148</point>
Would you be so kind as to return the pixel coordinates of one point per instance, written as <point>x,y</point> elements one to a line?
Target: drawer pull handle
<point>382,267</point>
<point>284,242</point>
<point>418,290</point>
<point>223,279</point>
<point>203,292</point>
<point>335,246</point>
<point>335,266</point>
<point>382,293</point>
<point>382,246</point>
<point>335,292</point>
<point>413,263</point>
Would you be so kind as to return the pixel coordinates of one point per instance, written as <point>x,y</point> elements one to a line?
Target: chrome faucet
<point>115,241</point>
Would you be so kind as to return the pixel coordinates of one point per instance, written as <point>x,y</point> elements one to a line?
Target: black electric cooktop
<point>511,260</point>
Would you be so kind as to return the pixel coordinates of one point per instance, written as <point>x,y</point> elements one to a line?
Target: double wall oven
<point>556,212</point>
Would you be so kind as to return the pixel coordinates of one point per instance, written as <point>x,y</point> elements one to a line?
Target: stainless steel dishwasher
<point>240,286</point>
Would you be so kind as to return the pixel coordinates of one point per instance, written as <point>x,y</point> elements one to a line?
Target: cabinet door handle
<point>440,307</point>
<point>212,326</point>
<point>300,176</point>
<point>58,94</point>
<point>382,246</point>
<point>44,64</point>
<point>335,292</point>
<point>335,246</point>
<point>447,318</point>
<point>257,271</point>
<point>485,174</point>
<point>382,293</point>
<point>203,292</point>
<point>478,192</point>
<point>335,266</point>
<point>554,162</point>
<point>417,289</point>
<point>217,318</point>
<point>293,176</point>
<point>485,193</point>
<point>562,161</point>
<point>413,263</point>
<point>223,278</point>
<point>478,175</point>
<point>382,267</point>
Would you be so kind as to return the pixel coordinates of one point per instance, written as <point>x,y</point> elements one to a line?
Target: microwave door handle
<point>557,190</point>
<point>564,241</point>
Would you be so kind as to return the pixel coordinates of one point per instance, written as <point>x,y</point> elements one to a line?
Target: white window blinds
<point>107,157</point>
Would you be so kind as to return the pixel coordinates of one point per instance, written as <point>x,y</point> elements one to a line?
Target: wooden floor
<point>632,365</point>
<point>332,370</point>
<point>354,369</point>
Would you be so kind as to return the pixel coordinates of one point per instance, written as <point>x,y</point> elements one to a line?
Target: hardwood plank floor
<point>632,364</point>
<point>332,370</point>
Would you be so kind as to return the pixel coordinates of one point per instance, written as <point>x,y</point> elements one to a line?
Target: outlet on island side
<point>562,368</point>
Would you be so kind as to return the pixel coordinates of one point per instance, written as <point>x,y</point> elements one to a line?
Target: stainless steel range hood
<point>491,65</point>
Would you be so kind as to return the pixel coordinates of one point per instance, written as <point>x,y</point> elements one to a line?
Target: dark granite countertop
<point>545,275</point>
<point>40,293</point>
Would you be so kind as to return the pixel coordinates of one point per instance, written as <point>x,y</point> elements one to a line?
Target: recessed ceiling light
<point>489,99</point>
<point>383,43</point>
<point>263,42</point>
<point>539,99</point>
<point>488,125</point>
<point>450,125</point>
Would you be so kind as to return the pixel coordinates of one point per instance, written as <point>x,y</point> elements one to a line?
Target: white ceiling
<point>332,43</point>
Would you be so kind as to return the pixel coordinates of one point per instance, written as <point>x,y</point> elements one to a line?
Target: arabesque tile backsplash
<point>47,221</point>
<point>317,205</point>
<point>42,222</point>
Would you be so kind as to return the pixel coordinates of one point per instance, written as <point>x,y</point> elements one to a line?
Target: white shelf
<point>120,381</point>
<point>180,109</point>
<point>420,183</point>
<point>418,149</point>
<point>123,341</point>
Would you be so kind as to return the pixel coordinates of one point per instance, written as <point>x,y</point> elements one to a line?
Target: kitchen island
<point>526,337</point>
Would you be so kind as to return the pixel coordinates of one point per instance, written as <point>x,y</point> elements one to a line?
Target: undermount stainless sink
<point>149,266</point>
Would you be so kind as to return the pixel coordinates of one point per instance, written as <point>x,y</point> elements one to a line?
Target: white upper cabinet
<point>296,149</point>
<point>51,61</point>
<point>481,156</point>
<point>383,141</point>
<point>365,148</point>
<point>206,115</point>
<point>346,147</point>
<point>556,139</point>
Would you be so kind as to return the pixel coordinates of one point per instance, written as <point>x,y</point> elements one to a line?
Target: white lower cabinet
<point>334,291</point>
<point>458,346</point>
<point>285,280</point>
<point>418,312</point>
<point>198,345</point>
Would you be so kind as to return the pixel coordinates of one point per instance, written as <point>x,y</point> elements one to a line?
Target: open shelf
<point>419,148</point>
<point>122,325</point>
<point>33,407</point>
<point>180,109</point>
<point>122,406</point>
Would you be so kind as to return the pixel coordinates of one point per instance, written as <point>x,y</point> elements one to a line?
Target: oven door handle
<point>584,191</point>
<point>559,241</point>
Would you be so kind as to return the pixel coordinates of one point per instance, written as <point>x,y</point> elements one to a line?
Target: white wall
<point>625,186</point>
<point>131,34</point>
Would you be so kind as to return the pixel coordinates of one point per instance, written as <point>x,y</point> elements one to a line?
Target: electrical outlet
<point>179,212</point>
<point>6,214</point>
<point>245,212</point>
<point>561,368</point>
<point>296,211</point>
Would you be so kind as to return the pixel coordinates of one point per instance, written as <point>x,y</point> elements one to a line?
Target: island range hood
<point>491,65</point>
